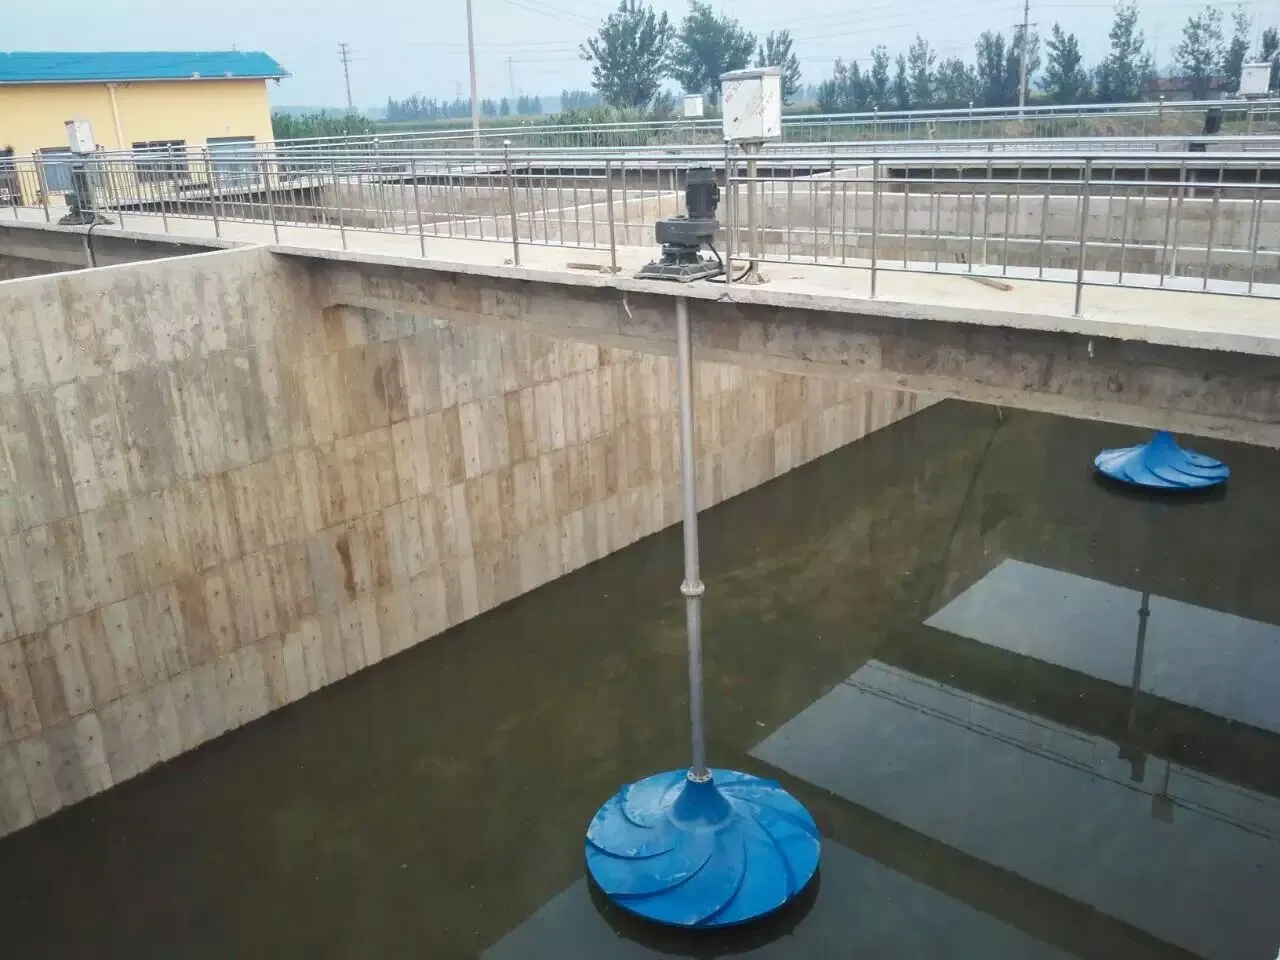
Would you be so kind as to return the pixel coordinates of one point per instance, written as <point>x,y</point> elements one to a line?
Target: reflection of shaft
<point>1144,613</point>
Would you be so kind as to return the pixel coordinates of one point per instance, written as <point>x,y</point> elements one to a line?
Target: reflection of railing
<point>1036,736</point>
<point>1206,221</point>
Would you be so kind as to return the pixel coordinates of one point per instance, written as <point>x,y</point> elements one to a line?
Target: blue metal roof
<point>129,65</point>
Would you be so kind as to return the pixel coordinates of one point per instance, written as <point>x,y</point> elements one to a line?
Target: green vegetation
<point>637,49</point>
<point>629,55</point>
<point>776,52</point>
<point>285,126</point>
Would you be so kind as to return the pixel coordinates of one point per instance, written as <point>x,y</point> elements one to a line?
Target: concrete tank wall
<point>219,498</point>
<point>15,268</point>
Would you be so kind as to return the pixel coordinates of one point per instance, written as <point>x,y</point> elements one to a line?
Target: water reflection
<point>1048,803</point>
<point>1206,659</point>
<point>931,637</point>
<point>862,909</point>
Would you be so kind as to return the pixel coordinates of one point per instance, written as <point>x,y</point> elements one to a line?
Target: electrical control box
<point>80,136</point>
<point>752,104</point>
<point>1255,79</point>
<point>693,106</point>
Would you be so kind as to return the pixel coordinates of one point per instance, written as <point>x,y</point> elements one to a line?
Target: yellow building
<point>162,102</point>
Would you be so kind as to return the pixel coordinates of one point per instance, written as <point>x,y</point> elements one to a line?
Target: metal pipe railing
<point>1203,221</point>
<point>1142,118</point>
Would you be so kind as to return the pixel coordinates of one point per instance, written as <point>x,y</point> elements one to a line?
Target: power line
<point>534,6</point>
<point>344,54</point>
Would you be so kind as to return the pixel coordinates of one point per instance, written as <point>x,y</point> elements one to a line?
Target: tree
<point>1013,63</point>
<point>991,70</point>
<point>628,54</point>
<point>579,99</point>
<point>664,106</point>
<point>529,106</point>
<point>1200,52</point>
<point>488,107</point>
<point>920,60</point>
<point>1119,78</point>
<point>878,79</point>
<point>1065,80</point>
<point>955,84</point>
<point>845,92</point>
<point>504,107</point>
<point>776,52</point>
<point>707,46</point>
<point>901,85</point>
<point>1237,49</point>
<point>1269,49</point>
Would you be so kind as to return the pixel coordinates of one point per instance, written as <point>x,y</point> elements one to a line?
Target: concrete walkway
<point>1178,314</point>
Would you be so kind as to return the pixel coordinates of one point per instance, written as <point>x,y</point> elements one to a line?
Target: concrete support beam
<point>1219,383</point>
<point>67,248</point>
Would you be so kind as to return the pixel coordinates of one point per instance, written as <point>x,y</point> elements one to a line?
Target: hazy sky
<point>402,46</point>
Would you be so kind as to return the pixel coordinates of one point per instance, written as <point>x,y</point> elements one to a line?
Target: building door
<point>55,162</point>
<point>232,158</point>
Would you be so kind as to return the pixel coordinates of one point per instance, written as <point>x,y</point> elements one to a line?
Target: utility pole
<point>475,103</point>
<point>1022,80</point>
<point>344,54</point>
<point>511,78</point>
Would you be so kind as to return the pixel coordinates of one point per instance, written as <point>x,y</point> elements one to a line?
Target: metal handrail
<point>1115,147</point>
<point>797,121</point>
<point>1121,218</point>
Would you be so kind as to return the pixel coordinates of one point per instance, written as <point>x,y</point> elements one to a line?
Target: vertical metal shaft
<point>692,587</point>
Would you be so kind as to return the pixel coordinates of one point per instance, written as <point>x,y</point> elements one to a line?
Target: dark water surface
<point>931,637</point>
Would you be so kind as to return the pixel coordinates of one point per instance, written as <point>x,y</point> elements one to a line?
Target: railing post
<point>337,199</point>
<point>42,184</point>
<point>608,201</point>
<point>511,202</point>
<point>271,203</point>
<point>417,207</point>
<point>731,226</point>
<point>113,188</point>
<point>753,220</point>
<point>875,220</point>
<point>1171,259</point>
<point>1084,225</point>
<point>213,190</point>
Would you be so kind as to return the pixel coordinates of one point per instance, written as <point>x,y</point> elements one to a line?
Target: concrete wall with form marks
<point>219,497</point>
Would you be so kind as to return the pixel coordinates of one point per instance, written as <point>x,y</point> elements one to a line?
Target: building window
<point>10,188</point>
<point>159,160</point>
<point>232,158</point>
<point>55,163</point>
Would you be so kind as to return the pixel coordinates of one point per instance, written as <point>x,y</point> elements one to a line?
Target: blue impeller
<point>702,853</point>
<point>1160,464</point>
